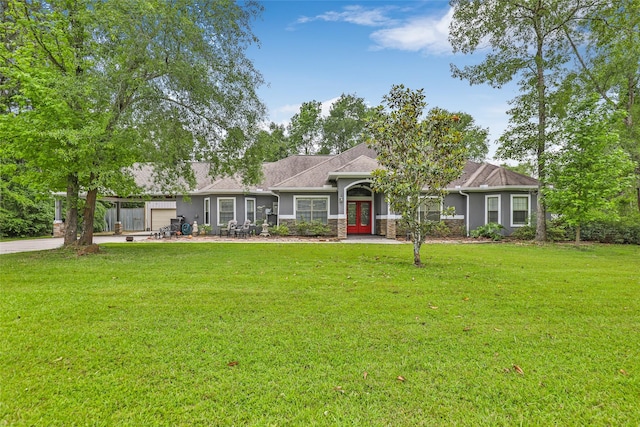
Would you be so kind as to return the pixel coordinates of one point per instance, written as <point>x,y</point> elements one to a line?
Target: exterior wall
<point>193,210</point>
<point>384,224</point>
<point>477,208</point>
<point>286,208</point>
<point>456,201</point>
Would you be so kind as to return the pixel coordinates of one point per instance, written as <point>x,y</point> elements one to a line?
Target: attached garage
<point>161,218</point>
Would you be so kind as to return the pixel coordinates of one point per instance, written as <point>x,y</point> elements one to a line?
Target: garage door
<point>161,218</point>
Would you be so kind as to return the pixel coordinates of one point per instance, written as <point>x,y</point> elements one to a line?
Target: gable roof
<point>299,172</point>
<point>482,175</point>
<point>318,175</point>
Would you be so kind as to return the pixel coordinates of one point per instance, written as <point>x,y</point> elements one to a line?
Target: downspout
<point>466,216</point>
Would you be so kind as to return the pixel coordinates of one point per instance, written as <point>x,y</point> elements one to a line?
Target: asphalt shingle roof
<point>315,171</point>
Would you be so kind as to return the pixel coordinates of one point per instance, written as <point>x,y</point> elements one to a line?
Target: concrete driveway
<point>44,244</point>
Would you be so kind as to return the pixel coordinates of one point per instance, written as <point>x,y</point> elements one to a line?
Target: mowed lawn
<point>321,334</point>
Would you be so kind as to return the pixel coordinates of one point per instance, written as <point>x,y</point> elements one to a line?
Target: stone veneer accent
<point>58,228</point>
<point>456,229</point>
<point>342,228</point>
<point>384,227</point>
<point>391,229</point>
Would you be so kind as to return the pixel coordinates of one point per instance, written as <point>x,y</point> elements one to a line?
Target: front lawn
<point>321,334</point>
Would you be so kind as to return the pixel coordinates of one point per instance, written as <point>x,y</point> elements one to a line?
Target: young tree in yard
<point>528,40</point>
<point>609,64</point>
<point>342,128</point>
<point>305,129</point>
<point>591,171</point>
<point>98,86</point>
<point>418,156</point>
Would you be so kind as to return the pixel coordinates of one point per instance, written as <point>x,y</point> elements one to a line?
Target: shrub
<point>626,230</point>
<point>440,229</point>
<point>313,228</point>
<point>528,232</point>
<point>491,231</point>
<point>302,228</point>
<point>319,229</point>
<point>24,212</point>
<point>279,230</point>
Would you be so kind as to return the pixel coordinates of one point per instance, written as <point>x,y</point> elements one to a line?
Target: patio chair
<point>230,230</point>
<point>244,230</point>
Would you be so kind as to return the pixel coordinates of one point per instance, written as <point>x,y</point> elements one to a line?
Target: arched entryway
<point>360,210</point>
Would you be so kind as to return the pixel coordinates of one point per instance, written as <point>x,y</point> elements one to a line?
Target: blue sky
<point>318,50</point>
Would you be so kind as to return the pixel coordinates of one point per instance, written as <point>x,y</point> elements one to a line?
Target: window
<point>519,210</point>
<point>492,214</point>
<point>274,211</point>
<point>430,209</point>
<point>312,209</point>
<point>250,210</point>
<point>226,210</point>
<point>207,211</point>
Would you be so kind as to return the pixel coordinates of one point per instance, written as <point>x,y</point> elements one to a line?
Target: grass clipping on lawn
<point>326,334</point>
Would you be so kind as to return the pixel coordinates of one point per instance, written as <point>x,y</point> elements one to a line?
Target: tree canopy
<point>90,88</point>
<point>527,40</point>
<point>591,171</point>
<point>342,128</point>
<point>609,65</point>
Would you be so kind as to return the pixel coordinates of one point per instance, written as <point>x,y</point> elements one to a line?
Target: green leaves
<point>591,171</point>
<point>418,156</point>
<point>97,87</point>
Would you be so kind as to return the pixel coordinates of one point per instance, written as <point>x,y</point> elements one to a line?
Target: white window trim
<point>218,210</point>
<point>207,208</point>
<point>246,210</point>
<point>486,207</point>
<point>528,196</point>
<point>295,204</point>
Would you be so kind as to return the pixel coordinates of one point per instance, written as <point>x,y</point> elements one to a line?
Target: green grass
<point>143,334</point>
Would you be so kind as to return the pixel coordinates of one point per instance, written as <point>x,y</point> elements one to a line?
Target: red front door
<point>359,217</point>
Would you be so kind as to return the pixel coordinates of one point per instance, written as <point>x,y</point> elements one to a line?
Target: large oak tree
<point>97,86</point>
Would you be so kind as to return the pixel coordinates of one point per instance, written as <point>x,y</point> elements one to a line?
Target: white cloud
<point>426,34</point>
<point>289,109</point>
<point>326,106</point>
<point>358,15</point>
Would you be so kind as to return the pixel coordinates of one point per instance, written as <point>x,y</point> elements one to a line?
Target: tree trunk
<point>416,252</point>
<point>417,243</point>
<point>86,238</point>
<point>71,220</point>
<point>541,220</point>
<point>577,234</point>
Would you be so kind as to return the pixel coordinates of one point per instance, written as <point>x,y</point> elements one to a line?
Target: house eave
<point>496,188</point>
<point>336,175</point>
<point>307,189</point>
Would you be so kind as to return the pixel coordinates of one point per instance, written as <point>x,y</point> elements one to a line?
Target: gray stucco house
<point>336,190</point>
